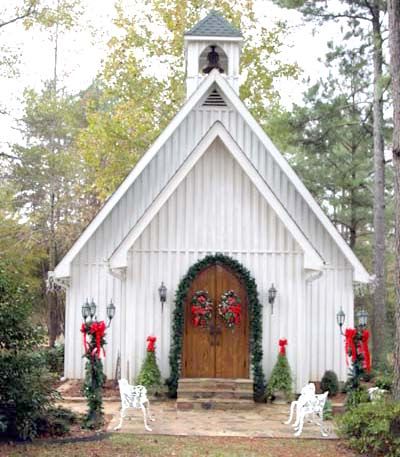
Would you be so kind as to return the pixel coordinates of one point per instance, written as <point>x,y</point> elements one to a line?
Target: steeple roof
<point>214,25</point>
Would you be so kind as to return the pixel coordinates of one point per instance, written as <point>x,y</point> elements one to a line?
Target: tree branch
<point>30,10</point>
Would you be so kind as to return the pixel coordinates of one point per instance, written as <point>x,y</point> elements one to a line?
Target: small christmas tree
<point>281,376</point>
<point>150,375</point>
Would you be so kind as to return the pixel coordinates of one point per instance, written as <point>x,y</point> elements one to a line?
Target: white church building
<point>213,185</point>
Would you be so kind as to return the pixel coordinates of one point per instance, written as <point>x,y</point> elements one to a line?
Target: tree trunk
<point>394,40</point>
<point>379,308</point>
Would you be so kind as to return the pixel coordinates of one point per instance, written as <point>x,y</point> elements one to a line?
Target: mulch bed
<point>73,389</point>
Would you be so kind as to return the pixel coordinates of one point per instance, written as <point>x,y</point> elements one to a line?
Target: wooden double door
<point>216,351</point>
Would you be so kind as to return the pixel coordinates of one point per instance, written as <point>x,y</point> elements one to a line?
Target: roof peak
<point>214,24</point>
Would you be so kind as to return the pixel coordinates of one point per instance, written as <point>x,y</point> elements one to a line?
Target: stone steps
<point>215,393</point>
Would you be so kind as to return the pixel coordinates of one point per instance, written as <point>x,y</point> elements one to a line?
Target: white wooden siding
<point>89,272</point>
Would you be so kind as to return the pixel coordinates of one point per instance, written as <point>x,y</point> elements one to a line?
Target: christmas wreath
<point>230,309</point>
<point>201,308</point>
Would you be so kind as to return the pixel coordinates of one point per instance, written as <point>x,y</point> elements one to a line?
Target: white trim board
<point>312,259</point>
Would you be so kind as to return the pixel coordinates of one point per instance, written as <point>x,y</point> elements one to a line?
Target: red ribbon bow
<point>83,330</point>
<point>351,351</point>
<point>365,350</point>
<point>151,341</point>
<point>98,330</point>
<point>236,310</point>
<point>282,343</point>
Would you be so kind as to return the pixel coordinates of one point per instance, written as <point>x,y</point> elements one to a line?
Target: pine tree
<point>150,375</point>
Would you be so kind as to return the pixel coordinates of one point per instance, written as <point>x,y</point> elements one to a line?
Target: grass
<point>128,445</point>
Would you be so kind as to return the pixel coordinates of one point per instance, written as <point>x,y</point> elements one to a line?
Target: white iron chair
<point>134,397</point>
<point>312,409</point>
<point>307,393</point>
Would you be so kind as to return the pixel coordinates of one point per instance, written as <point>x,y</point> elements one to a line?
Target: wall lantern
<point>89,310</point>
<point>271,297</point>
<point>340,318</point>
<point>162,291</point>
<point>362,317</point>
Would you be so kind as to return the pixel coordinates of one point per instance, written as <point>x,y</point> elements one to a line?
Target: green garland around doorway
<point>255,313</point>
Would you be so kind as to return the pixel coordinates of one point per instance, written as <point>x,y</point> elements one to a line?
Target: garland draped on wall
<point>255,314</point>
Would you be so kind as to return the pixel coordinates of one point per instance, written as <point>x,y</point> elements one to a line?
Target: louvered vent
<point>214,99</point>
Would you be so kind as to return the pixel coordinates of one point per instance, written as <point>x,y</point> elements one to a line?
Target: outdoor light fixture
<point>89,310</point>
<point>340,318</point>
<point>362,318</point>
<point>92,307</point>
<point>162,291</point>
<point>271,297</point>
<point>110,312</point>
<point>85,310</point>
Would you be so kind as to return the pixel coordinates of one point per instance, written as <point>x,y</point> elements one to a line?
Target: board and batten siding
<point>90,277</point>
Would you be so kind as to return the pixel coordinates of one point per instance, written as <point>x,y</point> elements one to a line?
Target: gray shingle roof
<point>214,25</point>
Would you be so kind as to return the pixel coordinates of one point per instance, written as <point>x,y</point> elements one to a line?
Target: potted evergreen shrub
<point>330,382</point>
<point>279,387</point>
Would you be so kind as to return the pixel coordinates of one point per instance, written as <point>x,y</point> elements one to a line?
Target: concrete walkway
<point>264,421</point>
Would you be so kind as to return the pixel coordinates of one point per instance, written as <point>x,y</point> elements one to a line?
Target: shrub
<point>355,397</point>
<point>384,381</point>
<point>54,358</point>
<point>328,410</point>
<point>150,375</point>
<point>330,382</point>
<point>368,428</point>
<point>281,378</point>
<point>26,389</point>
<point>55,422</point>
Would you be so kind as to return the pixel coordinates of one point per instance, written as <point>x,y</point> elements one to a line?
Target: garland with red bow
<point>282,343</point>
<point>151,342</point>
<point>358,345</point>
<point>230,309</point>
<point>201,308</point>
<point>97,332</point>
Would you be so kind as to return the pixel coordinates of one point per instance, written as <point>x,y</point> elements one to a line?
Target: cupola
<point>213,43</point>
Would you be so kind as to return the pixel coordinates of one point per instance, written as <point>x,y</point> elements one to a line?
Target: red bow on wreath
<point>282,343</point>
<point>351,351</point>
<point>235,310</point>
<point>151,341</point>
<point>98,330</point>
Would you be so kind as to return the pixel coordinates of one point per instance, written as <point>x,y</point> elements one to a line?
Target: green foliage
<point>384,381</point>
<point>92,390</point>
<point>367,429</point>
<point>328,410</point>
<point>26,386</point>
<point>281,378</point>
<point>255,313</point>
<point>356,396</point>
<point>26,391</point>
<point>150,375</point>
<point>54,359</point>
<point>330,382</point>
<point>55,422</point>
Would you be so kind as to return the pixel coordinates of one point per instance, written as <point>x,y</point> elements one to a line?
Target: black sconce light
<point>271,297</point>
<point>162,291</point>
<point>362,318</point>
<point>340,318</point>
<point>89,310</point>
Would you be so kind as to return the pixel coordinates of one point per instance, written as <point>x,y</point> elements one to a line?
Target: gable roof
<point>63,268</point>
<point>214,25</point>
<point>312,259</point>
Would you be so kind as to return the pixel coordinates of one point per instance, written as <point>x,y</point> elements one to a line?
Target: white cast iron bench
<point>309,406</point>
<point>134,397</point>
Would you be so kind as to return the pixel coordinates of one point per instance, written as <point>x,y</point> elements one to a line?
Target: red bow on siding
<point>151,341</point>
<point>282,344</point>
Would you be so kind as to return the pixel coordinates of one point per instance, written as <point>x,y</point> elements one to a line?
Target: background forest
<point>72,149</point>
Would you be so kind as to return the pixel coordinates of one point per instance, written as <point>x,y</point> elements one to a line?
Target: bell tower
<point>213,43</point>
